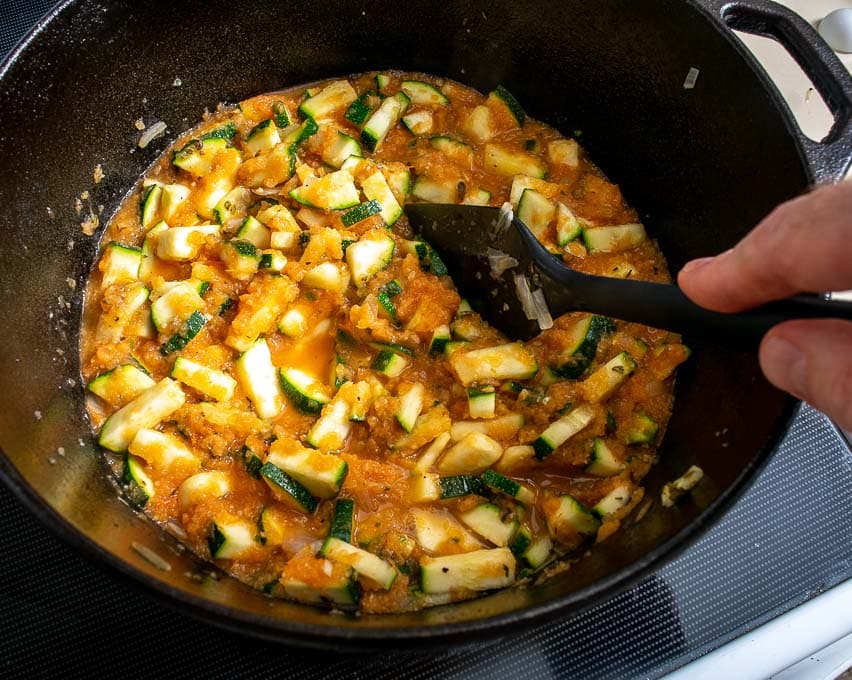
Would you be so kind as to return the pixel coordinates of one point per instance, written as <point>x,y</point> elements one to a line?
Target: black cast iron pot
<point>702,166</point>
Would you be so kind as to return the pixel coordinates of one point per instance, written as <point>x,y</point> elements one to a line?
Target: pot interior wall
<point>701,165</point>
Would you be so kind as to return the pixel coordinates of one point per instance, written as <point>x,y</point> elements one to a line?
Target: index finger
<point>804,245</point>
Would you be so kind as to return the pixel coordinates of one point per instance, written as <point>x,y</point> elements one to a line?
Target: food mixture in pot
<point>286,378</point>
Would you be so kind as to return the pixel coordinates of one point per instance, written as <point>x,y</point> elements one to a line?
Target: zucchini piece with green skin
<point>440,338</point>
<point>580,351</point>
<point>461,485</point>
<point>305,392</point>
<point>423,93</point>
<point>176,303</point>
<point>369,255</point>
<point>365,563</point>
<point>197,156</point>
<point>514,456</point>
<point>382,82</point>
<point>341,591</point>
<point>486,520</point>
<point>326,276</point>
<point>464,308</point>
<point>297,136</point>
<point>334,191</point>
<point>480,124</point>
<point>344,146</point>
<point>180,244</point>
<point>263,137</point>
<point>430,261</point>
<point>418,123</point>
<point>387,306</point>
<point>564,152</point>
<point>149,250</point>
<point>410,407</point>
<point>511,162</point>
<point>252,462</point>
<point>121,384</point>
<point>432,191</point>
<point>536,212</point>
<point>399,180</point>
<point>255,232</point>
<point>383,119</point>
<point>453,346</point>
<point>163,452</point>
<point>478,570</point>
<point>146,411</point>
<point>210,382</point>
<point>171,199</point>
<point>230,539</point>
<point>568,225</point>
<point>471,455</point>
<point>428,458</point>
<point>481,401</point>
<point>150,206</point>
<point>435,530</point>
<point>642,429</point>
<point>533,553</point>
<point>322,474</point>
<point>606,379</point>
<point>140,486</point>
<point>113,326</point>
<point>513,106</point>
<point>477,197</point>
<point>257,376</point>
<point>389,363</point>
<point>603,462</point>
<point>342,520</point>
<point>376,188</point>
<point>241,258</point>
<point>327,102</point>
<point>362,399</point>
<point>361,108</point>
<point>333,426</point>
<point>560,431</point>
<point>571,515</point>
<point>520,541</point>
<point>502,427</point>
<point>281,115</point>
<point>613,501</point>
<point>360,213</point>
<point>227,132</point>
<point>288,489</point>
<point>614,239</point>
<point>512,361</point>
<point>496,481</point>
<point>424,487</point>
<point>120,263</point>
<point>273,261</point>
<point>233,205</point>
<point>191,327</point>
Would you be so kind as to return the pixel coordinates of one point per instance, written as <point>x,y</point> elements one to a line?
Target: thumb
<point>812,360</point>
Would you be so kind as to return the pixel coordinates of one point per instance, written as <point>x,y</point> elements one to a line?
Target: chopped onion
<point>158,129</point>
<point>522,287</point>
<point>233,224</point>
<point>263,191</point>
<point>542,313</point>
<point>505,219</point>
<point>500,262</point>
<point>691,78</point>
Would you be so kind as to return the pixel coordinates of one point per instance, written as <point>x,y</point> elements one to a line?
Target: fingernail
<point>694,265</point>
<point>785,365</point>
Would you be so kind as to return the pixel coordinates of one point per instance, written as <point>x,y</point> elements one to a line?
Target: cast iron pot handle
<point>830,158</point>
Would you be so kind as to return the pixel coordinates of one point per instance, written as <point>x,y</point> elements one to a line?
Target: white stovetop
<point>814,640</point>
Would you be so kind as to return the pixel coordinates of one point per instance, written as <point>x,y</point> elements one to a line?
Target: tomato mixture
<point>286,377</point>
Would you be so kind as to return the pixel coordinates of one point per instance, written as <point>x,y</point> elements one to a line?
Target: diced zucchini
<point>478,570</point>
<point>389,363</point>
<point>281,115</point>
<point>241,258</point>
<point>580,351</point>
<point>263,137</point>
<point>334,191</point>
<point>121,384</point>
<point>514,456</point>
<point>293,323</point>
<point>605,380</point>
<point>603,462</point>
<point>197,156</point>
<point>510,487</point>
<point>361,399</point>
<point>150,207</point>
<point>163,452</point>
<point>536,211</point>
<point>399,180</point>
<point>376,188</point>
<point>140,485</point>
<point>440,338</point>
<point>342,520</point>
<point>642,429</point>
<point>560,431</point>
<point>387,305</point>
<point>564,152</point>
<point>227,132</point>
<point>410,406</point>
<point>230,539</point>
<point>188,330</point>
<point>120,263</point>
<point>511,162</point>
<point>502,427</point>
<point>175,304</point>
<point>436,530</point>
<point>338,588</point>
<point>430,455</point>
<point>613,239</point>
<point>418,123</point>
<point>433,191</point>
<point>479,124</point>
<point>255,232</point>
<point>322,474</point>
<point>512,361</point>
<point>171,199</point>
<point>344,146</point>
<point>210,382</point>
<point>180,244</point>
<point>259,380</point>
<point>675,490</point>
<point>477,197</point>
<point>332,428</point>
<point>568,225</point>
<point>203,486</point>
<point>613,501</point>
<point>288,489</point>
<point>521,182</point>
<point>327,276</point>
<point>383,119</point>
<point>454,149</point>
<point>472,455</point>
<point>569,516</point>
<point>360,109</point>
<point>296,136</point>
<point>502,96</point>
<point>424,487</point>
<point>147,410</point>
<point>273,261</point>
<point>365,563</point>
<point>233,205</point>
<point>430,261</point>
<point>369,255</point>
<point>481,401</point>
<point>327,102</point>
<point>485,520</point>
<point>423,93</point>
<point>535,554</point>
<point>461,485</point>
<point>382,82</point>
<point>304,391</point>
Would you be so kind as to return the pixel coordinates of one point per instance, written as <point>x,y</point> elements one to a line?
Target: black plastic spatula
<point>476,244</point>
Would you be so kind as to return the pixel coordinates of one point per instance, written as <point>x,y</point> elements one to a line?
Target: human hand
<point>804,245</point>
